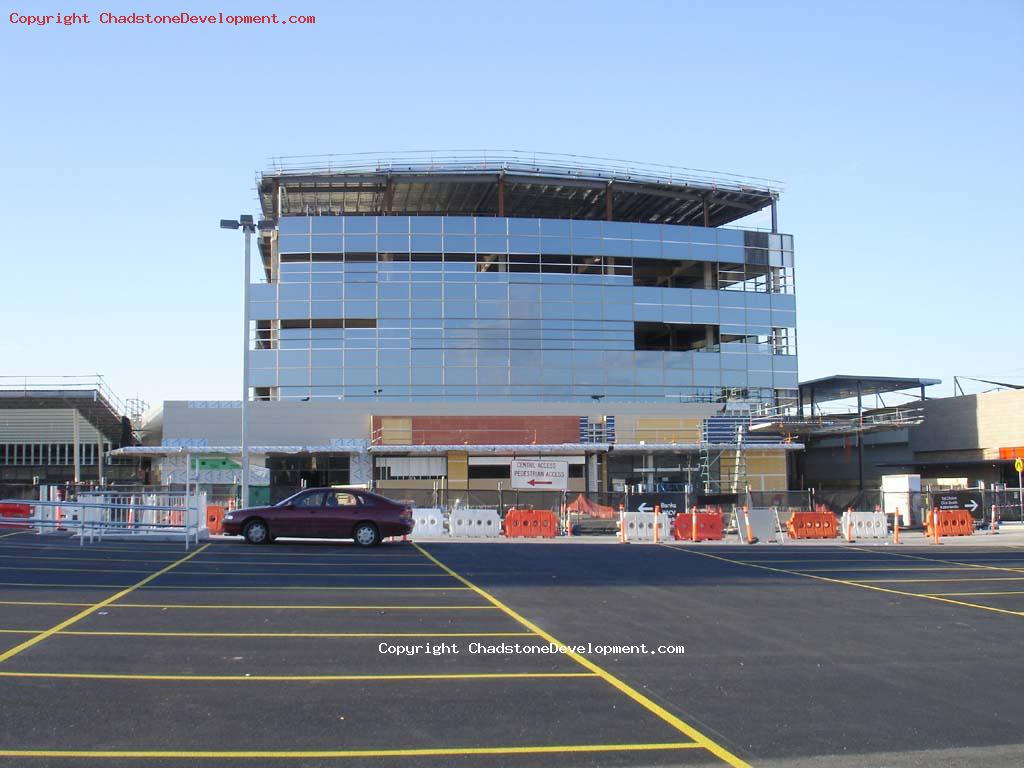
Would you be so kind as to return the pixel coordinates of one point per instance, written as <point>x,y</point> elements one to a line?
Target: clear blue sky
<point>896,128</point>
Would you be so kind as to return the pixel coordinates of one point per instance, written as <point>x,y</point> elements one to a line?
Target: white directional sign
<point>539,475</point>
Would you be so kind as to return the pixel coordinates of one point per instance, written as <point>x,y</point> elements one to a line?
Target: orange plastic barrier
<point>708,526</point>
<point>214,519</point>
<point>812,525</point>
<point>15,510</point>
<point>531,524</point>
<point>956,522</point>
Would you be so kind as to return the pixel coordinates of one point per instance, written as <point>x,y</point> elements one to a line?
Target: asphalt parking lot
<point>123,654</point>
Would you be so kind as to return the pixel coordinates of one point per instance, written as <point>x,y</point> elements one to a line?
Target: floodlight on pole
<point>246,224</point>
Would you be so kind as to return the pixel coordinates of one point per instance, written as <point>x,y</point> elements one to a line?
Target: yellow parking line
<point>341,753</point>
<point>95,607</point>
<point>311,607</point>
<point>220,573</point>
<point>12,533</point>
<point>975,594</point>
<point>912,568</point>
<point>352,562</point>
<point>927,581</point>
<point>984,566</point>
<point>46,547</point>
<point>210,587</point>
<point>645,702</point>
<point>67,559</point>
<point>76,570</point>
<point>83,633</point>
<point>313,573</point>
<point>862,585</point>
<point>48,585</point>
<point>302,678</point>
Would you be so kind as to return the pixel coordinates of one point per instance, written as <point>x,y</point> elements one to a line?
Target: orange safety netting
<point>585,506</point>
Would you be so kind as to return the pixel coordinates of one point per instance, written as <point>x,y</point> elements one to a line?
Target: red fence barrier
<point>812,525</point>
<point>699,526</point>
<point>531,524</point>
<point>15,510</point>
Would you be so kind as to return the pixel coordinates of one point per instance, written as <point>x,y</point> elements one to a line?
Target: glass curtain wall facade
<point>465,308</point>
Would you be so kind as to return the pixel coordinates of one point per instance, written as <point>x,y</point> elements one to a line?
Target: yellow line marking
<point>96,547</point>
<point>976,594</point>
<point>655,709</point>
<point>302,678</point>
<point>221,573</point>
<point>13,533</point>
<point>212,587</point>
<point>271,634</point>
<point>351,562</point>
<point>68,559</point>
<point>76,570</point>
<point>95,607</point>
<point>903,569</point>
<point>926,581</point>
<point>862,585</point>
<point>231,561</point>
<point>339,753</point>
<point>313,607</point>
<point>374,574</point>
<point>984,566</point>
<point>48,585</point>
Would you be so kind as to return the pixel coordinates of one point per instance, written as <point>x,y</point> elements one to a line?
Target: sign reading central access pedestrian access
<point>539,475</point>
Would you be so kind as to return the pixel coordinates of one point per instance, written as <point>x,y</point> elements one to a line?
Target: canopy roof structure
<point>844,387</point>
<point>513,184</point>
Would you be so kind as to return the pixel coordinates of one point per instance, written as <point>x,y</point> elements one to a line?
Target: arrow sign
<point>972,505</point>
<point>539,474</point>
<point>644,507</point>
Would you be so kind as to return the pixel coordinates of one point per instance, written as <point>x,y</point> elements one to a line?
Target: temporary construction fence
<point>864,525</point>
<point>820,524</point>
<point>475,523</point>
<point>428,523</point>
<point>111,515</point>
<point>646,527</point>
<point>531,524</point>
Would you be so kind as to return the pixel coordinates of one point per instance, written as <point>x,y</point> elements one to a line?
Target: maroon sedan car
<point>323,513</point>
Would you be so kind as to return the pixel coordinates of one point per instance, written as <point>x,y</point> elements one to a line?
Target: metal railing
<point>95,516</point>
<point>83,383</point>
<point>518,161</point>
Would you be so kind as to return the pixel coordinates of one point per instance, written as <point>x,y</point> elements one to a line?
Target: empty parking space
<point>290,652</point>
<point>276,652</point>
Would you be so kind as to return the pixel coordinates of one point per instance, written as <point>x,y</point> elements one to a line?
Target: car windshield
<point>290,500</point>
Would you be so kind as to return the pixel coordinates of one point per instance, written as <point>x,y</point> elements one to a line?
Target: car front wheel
<point>366,535</point>
<point>256,532</point>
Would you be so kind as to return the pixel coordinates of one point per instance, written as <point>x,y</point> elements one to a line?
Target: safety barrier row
<point>645,526</point>
<point>699,526</point>
<point>956,522</point>
<point>475,523</point>
<point>428,523</point>
<point>811,525</point>
<point>864,525</point>
<point>531,524</point>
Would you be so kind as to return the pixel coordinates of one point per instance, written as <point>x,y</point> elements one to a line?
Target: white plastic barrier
<point>640,526</point>
<point>764,525</point>
<point>475,523</point>
<point>429,523</point>
<point>865,525</point>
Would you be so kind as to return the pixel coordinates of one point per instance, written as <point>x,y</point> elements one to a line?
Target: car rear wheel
<point>256,532</point>
<point>366,535</point>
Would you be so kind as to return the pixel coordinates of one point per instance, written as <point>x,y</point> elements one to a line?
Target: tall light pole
<point>247,226</point>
